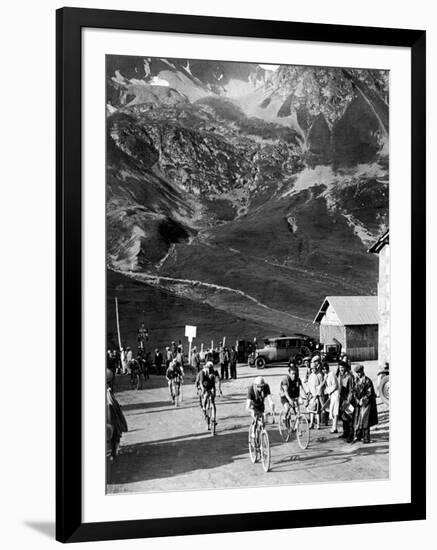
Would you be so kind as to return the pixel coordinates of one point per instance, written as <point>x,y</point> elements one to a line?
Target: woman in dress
<point>315,385</point>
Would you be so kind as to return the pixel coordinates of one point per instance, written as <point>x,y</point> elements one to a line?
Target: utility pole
<point>118,323</point>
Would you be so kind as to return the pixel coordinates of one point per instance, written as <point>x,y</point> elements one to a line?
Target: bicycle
<point>299,426</point>
<point>210,421</point>
<point>175,388</point>
<point>259,444</point>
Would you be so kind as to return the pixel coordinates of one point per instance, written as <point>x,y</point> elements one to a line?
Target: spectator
<point>144,363</point>
<point>333,394</point>
<point>129,358</point>
<point>315,384</point>
<point>158,360</point>
<point>180,358</point>
<point>233,362</point>
<point>173,350</point>
<point>195,360</point>
<point>306,366</point>
<point>114,418</point>
<point>168,357</point>
<point>116,360</point>
<point>123,361</point>
<point>148,364</point>
<point>134,367</point>
<point>224,361</point>
<point>324,398</point>
<point>142,372</point>
<point>366,412</point>
<point>346,385</point>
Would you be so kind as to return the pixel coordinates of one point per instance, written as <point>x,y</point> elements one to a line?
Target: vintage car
<point>331,351</point>
<point>281,350</point>
<point>384,384</point>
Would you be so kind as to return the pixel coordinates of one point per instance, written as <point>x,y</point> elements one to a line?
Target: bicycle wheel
<point>302,432</point>
<point>265,450</point>
<point>208,414</point>
<point>176,393</point>
<point>252,447</point>
<point>284,426</point>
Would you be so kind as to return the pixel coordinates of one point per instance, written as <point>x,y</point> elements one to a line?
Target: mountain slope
<point>257,216</point>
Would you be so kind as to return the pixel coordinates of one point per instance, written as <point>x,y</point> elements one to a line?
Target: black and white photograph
<point>247,274</point>
<point>218,261</point>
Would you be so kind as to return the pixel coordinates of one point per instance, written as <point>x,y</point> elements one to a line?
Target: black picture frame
<point>70,22</point>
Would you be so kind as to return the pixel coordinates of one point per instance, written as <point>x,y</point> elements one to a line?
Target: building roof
<point>351,310</point>
<point>380,243</point>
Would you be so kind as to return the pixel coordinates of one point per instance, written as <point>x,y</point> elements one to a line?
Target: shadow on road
<point>172,457</point>
<point>304,460</point>
<point>122,382</point>
<point>146,405</point>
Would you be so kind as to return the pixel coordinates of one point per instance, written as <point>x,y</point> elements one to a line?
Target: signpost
<point>190,333</point>
<point>118,324</point>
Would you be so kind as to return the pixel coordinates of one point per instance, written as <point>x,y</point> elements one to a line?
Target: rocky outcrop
<point>355,135</point>
<point>319,141</point>
<point>198,189</point>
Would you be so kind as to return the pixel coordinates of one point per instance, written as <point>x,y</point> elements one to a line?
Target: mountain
<point>250,191</point>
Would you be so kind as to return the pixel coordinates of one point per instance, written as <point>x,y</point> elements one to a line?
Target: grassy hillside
<point>166,314</point>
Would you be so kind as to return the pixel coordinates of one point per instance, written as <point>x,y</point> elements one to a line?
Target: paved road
<point>168,448</point>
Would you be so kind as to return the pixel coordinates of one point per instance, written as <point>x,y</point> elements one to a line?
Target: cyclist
<point>199,381</point>
<point>206,385</point>
<point>134,372</point>
<point>290,389</point>
<point>257,392</point>
<point>174,378</point>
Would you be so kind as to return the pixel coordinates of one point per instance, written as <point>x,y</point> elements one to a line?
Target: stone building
<point>382,248</point>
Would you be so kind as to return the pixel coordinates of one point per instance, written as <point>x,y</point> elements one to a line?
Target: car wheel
<point>260,363</point>
<point>298,360</point>
<point>384,390</point>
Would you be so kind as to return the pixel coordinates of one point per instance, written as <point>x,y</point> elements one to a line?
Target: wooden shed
<point>352,321</point>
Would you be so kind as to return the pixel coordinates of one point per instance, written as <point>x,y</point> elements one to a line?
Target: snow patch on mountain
<point>366,237</point>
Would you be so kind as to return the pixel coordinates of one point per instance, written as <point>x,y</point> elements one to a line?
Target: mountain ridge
<point>201,189</point>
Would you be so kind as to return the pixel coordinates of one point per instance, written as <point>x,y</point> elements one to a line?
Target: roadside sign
<point>190,332</point>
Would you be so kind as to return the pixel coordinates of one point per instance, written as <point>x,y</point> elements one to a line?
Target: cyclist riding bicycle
<point>174,376</point>
<point>290,389</point>
<point>206,384</point>
<point>257,392</point>
<point>206,387</point>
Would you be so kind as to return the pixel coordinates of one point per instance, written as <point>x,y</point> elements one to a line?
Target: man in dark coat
<point>158,360</point>
<point>233,362</point>
<point>224,361</point>
<point>366,413</point>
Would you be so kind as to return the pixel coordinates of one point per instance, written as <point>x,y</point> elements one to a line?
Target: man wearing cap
<point>366,413</point>
<point>290,389</point>
<point>257,392</point>
<point>174,376</point>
